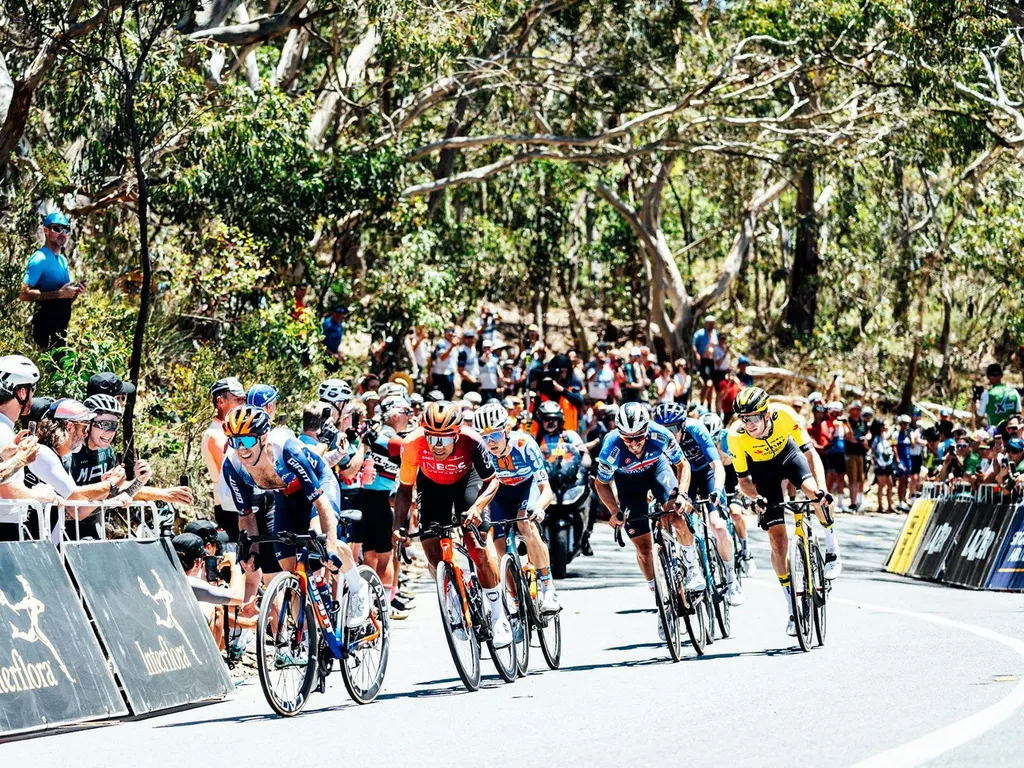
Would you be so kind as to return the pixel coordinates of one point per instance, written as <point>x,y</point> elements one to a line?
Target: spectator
<point>487,323</point>
<point>683,381</point>
<point>226,395</point>
<point>728,389</point>
<point>705,341</point>
<point>314,415</point>
<point>665,384</point>
<point>468,363</point>
<point>47,283</point>
<point>835,453</point>
<point>746,379</point>
<point>904,441</point>
<point>334,330</point>
<point>954,466</point>
<point>1000,401</point>
<point>634,380</point>
<point>884,459</point>
<point>600,376</point>
<point>299,308</point>
<point>18,377</point>
<point>109,384</point>
<point>554,386</point>
<point>420,354</point>
<point>490,375</point>
<point>721,357</point>
<point>917,446</point>
<point>857,447</point>
<point>1011,471</point>
<point>442,374</point>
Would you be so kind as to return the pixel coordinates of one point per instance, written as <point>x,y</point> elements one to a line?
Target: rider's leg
<point>779,540</point>
<point>644,544</point>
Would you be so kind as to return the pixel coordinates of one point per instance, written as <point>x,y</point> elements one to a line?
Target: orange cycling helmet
<point>442,419</point>
<point>246,420</point>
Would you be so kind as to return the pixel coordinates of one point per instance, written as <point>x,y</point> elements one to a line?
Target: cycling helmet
<point>712,423</point>
<point>334,391</point>
<point>549,409</point>
<point>393,404</point>
<point>246,420</point>
<point>69,409</point>
<point>835,406</point>
<point>104,404</point>
<point>390,389</point>
<point>442,419</point>
<point>669,414</point>
<point>632,419</point>
<point>751,401</point>
<point>261,395</point>
<point>17,371</point>
<point>490,418</point>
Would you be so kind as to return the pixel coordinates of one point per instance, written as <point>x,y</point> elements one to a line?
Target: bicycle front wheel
<point>504,658</point>
<point>462,641</point>
<point>820,592</point>
<point>666,606</point>
<point>518,601</point>
<point>365,660</point>
<point>287,642</point>
<point>550,634</point>
<point>801,593</point>
<point>720,591</point>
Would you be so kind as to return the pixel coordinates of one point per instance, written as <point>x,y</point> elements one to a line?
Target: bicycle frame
<point>448,549</point>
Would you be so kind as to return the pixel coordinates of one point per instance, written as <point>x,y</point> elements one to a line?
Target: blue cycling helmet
<point>261,395</point>
<point>669,414</point>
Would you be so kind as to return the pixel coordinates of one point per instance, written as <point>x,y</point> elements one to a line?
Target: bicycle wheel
<point>719,591</point>
<point>820,592</point>
<point>801,594</point>
<point>666,606</point>
<point>737,549</point>
<point>365,660</point>
<point>550,634</point>
<point>462,640</point>
<point>708,565</point>
<point>517,599</point>
<point>504,658</point>
<point>287,646</point>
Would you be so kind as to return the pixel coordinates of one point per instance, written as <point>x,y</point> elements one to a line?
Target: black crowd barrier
<point>149,623</point>
<point>966,543</point>
<point>52,670</point>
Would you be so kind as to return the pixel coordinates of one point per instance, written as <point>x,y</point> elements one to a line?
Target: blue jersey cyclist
<point>523,490</point>
<point>304,490</point>
<point>637,458</point>
<point>720,437</point>
<point>707,480</point>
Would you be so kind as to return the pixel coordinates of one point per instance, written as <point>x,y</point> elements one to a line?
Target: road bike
<point>675,604</point>
<point>737,546</point>
<point>302,628</point>
<point>714,570</point>
<point>808,587</point>
<point>519,585</point>
<point>464,614</point>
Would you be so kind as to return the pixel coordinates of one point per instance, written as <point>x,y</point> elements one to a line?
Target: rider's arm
<point>747,488</point>
<point>719,470</point>
<point>486,495</point>
<point>607,496</point>
<point>817,468</point>
<point>544,495</point>
<point>683,474</point>
<point>403,500</point>
<point>327,519</point>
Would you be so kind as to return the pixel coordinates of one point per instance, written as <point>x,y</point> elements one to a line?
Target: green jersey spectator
<point>1000,401</point>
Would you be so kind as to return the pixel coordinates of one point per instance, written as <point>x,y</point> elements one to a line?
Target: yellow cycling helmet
<point>751,401</point>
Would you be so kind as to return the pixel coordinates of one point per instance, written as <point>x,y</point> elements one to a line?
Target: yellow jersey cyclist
<point>769,444</point>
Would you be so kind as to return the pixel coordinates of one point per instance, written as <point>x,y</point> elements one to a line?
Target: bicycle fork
<point>448,555</point>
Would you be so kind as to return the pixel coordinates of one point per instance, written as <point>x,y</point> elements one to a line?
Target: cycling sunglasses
<point>753,419</point>
<point>633,439</point>
<point>105,426</point>
<point>438,441</point>
<point>493,437</point>
<point>60,229</point>
<point>246,441</point>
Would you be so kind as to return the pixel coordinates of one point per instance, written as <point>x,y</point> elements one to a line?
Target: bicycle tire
<point>737,556</point>
<point>550,634</point>
<point>518,600</point>
<point>721,590</point>
<point>820,593</point>
<point>271,675</point>
<point>801,599</point>
<point>666,606</point>
<point>707,565</point>
<point>504,658</point>
<point>467,645</point>
<point>361,687</point>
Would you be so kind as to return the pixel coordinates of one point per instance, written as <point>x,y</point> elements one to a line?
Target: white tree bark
<point>354,72</point>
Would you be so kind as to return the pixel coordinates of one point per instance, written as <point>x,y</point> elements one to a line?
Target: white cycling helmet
<point>712,423</point>
<point>490,418</point>
<point>104,404</point>
<point>334,391</point>
<point>632,419</point>
<point>17,371</point>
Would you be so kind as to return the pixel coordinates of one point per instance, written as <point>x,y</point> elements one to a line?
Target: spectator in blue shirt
<point>47,283</point>
<point>746,379</point>
<point>704,343</point>
<point>334,329</point>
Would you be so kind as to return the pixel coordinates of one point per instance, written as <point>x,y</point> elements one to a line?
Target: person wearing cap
<point>265,396</point>
<point>705,341</point>
<point>490,375</point>
<point>1000,401</point>
<point>109,384</point>
<point>226,394</point>
<point>883,458</point>
<point>442,371</point>
<point>47,284</point>
<point>632,378</point>
<point>745,378</point>
<point>192,551</point>
<point>468,363</point>
<point>857,446</point>
<point>1010,475</point>
<point>333,328</point>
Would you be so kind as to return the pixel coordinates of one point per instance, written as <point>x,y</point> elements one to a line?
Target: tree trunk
<point>803,291</point>
<point>944,337</point>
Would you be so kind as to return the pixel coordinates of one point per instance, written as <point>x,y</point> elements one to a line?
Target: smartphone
<point>183,481</point>
<point>212,571</point>
<point>32,427</point>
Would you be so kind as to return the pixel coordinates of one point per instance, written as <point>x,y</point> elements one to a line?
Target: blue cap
<point>743,360</point>
<point>57,217</point>
<point>260,395</point>
<point>1015,444</point>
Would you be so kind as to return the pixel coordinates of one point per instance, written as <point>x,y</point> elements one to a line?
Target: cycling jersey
<point>697,445</point>
<point>298,466</point>
<point>522,462</point>
<point>384,446</point>
<point>468,453</point>
<point>617,459</point>
<point>87,466</point>
<point>784,426</point>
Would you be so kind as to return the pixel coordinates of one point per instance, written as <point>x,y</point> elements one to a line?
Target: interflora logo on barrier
<point>36,672</point>
<point>167,657</point>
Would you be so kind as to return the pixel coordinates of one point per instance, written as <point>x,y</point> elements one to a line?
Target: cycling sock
<point>354,580</point>
<point>544,577</point>
<point>831,545</point>
<point>784,583</point>
<point>650,585</point>
<point>743,548</point>
<point>730,571</point>
<point>494,598</point>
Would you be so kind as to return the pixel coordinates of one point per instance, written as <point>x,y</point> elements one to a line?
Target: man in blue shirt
<point>704,343</point>
<point>47,282</point>
<point>334,329</point>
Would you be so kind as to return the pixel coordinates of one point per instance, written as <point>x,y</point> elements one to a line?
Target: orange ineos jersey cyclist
<point>419,460</point>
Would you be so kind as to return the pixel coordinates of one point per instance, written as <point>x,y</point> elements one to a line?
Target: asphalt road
<point>911,673</point>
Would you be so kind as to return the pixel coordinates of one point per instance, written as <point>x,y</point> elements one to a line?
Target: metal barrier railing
<point>52,518</point>
<point>956,490</point>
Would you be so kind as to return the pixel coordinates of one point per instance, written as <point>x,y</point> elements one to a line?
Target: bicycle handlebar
<point>439,530</point>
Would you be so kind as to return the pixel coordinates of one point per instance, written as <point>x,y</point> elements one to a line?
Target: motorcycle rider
<point>523,485</point>
<point>552,434</point>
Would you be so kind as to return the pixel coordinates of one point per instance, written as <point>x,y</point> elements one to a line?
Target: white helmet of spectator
<point>712,423</point>
<point>835,406</point>
<point>632,419</point>
<point>490,418</point>
<point>473,398</point>
<point>17,371</point>
<point>104,404</point>
<point>334,391</point>
<point>815,397</point>
<point>390,389</point>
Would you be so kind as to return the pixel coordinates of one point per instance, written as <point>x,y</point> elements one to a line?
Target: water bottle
<point>323,589</point>
<point>531,579</point>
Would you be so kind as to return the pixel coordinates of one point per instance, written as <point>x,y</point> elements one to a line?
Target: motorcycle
<point>566,519</point>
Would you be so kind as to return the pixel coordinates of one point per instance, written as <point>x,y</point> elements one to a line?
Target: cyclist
<point>770,444</point>
<point>707,480</point>
<point>454,477</point>
<point>523,485</point>
<point>303,488</point>
<point>713,424</point>
<point>640,458</point>
<point>384,445</point>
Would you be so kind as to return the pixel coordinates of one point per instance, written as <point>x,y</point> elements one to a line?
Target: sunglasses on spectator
<point>248,442</point>
<point>963,445</point>
<point>105,426</point>
<point>1016,450</point>
<point>437,441</point>
<point>1012,429</point>
<point>60,229</point>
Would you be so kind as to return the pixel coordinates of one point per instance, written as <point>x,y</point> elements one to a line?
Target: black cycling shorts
<point>767,476</point>
<point>378,521</point>
<point>446,504</point>
<point>632,489</point>
<point>732,482</point>
<point>834,462</point>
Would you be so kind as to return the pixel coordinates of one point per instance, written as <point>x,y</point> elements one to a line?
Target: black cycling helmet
<point>549,409</point>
